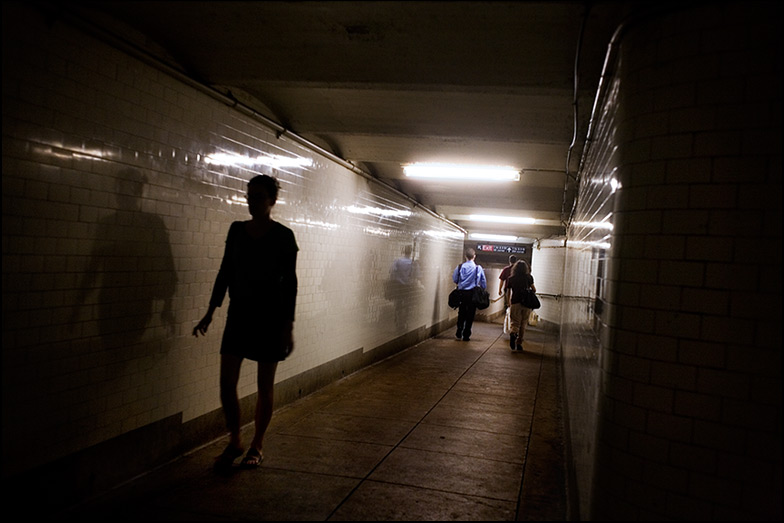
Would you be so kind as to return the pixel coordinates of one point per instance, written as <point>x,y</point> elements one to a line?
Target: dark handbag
<point>530,301</point>
<point>481,298</point>
<point>454,298</point>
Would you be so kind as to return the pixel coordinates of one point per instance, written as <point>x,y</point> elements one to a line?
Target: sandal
<point>227,457</point>
<point>252,459</point>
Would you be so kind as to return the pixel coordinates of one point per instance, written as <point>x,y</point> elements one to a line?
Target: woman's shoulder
<point>236,227</point>
<point>283,233</point>
<point>280,229</point>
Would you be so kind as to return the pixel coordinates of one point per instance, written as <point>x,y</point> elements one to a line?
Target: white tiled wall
<point>674,390</point>
<point>547,266</point>
<point>582,329</point>
<point>116,204</point>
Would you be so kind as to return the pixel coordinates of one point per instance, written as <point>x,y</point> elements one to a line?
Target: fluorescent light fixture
<point>521,220</point>
<point>492,237</point>
<point>446,171</point>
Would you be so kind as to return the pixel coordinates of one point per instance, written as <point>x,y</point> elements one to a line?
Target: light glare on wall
<point>277,161</point>
<point>445,171</point>
<point>378,211</point>
<point>596,225</point>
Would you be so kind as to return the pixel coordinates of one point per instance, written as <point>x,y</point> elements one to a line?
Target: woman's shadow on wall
<point>130,272</point>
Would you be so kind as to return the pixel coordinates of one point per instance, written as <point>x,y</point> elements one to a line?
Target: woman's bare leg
<point>229,376</point>
<point>264,402</point>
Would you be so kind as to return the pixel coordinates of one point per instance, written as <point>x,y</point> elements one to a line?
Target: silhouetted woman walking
<point>259,272</point>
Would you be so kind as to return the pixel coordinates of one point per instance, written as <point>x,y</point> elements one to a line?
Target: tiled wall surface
<point>585,286</point>
<point>120,182</point>
<point>547,267</point>
<point>674,389</point>
<point>581,327</point>
<point>119,186</point>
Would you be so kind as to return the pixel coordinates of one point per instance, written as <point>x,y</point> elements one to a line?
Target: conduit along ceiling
<point>385,84</point>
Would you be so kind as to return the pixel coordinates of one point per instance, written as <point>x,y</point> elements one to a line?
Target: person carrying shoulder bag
<point>467,275</point>
<point>519,284</point>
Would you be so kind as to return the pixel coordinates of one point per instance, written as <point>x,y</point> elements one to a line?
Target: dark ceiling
<point>382,84</point>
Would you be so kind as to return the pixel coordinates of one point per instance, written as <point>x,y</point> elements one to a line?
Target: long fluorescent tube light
<point>445,171</point>
<point>492,237</point>
<point>501,219</point>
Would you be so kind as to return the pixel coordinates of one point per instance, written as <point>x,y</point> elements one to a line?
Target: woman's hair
<point>520,267</point>
<point>269,184</point>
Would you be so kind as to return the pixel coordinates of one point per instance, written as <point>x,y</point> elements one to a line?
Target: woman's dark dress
<point>260,275</point>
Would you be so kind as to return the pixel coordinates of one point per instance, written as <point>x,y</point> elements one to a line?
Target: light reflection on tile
<point>61,165</point>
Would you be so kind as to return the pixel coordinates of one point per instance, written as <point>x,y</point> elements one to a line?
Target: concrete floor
<point>446,430</point>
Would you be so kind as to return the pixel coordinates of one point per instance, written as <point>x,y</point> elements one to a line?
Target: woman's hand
<point>287,335</point>
<point>203,325</point>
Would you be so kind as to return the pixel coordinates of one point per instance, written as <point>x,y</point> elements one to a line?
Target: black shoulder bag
<point>454,296</point>
<point>530,300</point>
<point>481,297</point>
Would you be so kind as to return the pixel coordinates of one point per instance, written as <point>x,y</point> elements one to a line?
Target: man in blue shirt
<point>467,275</point>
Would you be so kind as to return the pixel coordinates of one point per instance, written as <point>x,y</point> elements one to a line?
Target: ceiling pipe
<point>576,88</point>
<point>565,222</point>
<point>612,47</point>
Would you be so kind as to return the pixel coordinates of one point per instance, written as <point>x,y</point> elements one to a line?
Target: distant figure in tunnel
<point>259,272</point>
<point>518,284</point>
<point>467,275</point>
<point>403,270</point>
<point>403,277</point>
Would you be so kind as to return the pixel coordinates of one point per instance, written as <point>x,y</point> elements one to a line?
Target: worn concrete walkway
<point>446,430</point>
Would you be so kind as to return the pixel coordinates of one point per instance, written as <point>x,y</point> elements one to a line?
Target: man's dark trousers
<point>465,314</point>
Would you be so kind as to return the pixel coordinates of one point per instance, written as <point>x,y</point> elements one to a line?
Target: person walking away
<point>467,275</point>
<point>505,273</point>
<point>259,272</point>
<point>519,283</point>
